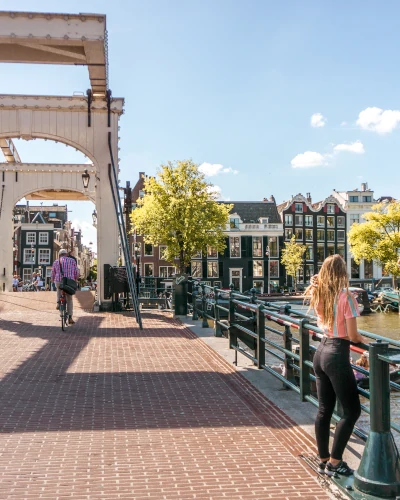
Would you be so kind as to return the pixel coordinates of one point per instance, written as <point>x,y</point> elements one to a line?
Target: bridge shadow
<point>98,377</point>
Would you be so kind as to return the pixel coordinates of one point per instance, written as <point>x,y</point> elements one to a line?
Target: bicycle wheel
<point>64,317</point>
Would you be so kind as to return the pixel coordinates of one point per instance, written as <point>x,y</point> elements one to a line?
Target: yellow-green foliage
<point>379,237</point>
<point>180,210</point>
<point>292,258</point>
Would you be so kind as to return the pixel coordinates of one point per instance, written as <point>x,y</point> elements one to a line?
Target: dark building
<point>320,226</point>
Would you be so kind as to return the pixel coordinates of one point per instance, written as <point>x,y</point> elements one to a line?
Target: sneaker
<point>58,307</point>
<point>70,320</point>
<point>321,467</point>
<point>341,468</point>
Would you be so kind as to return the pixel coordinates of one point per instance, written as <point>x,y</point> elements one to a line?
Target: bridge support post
<point>217,327</point>
<point>379,471</point>
<point>204,323</point>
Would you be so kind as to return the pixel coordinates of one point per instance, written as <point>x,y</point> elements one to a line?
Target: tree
<point>180,210</point>
<point>92,276</point>
<point>292,258</point>
<point>378,238</point>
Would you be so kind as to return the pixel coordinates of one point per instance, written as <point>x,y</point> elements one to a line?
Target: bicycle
<point>63,311</point>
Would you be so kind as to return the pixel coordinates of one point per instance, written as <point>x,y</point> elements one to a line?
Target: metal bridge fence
<point>256,328</point>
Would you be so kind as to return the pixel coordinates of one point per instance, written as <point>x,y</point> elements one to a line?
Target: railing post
<point>231,319</point>
<point>260,355</point>
<point>204,323</point>
<point>287,344</point>
<point>195,293</point>
<point>379,471</point>
<point>217,326</point>
<point>305,383</point>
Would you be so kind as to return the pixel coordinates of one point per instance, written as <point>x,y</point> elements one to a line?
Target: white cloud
<point>217,191</point>
<point>343,124</point>
<point>318,120</point>
<point>309,159</point>
<point>379,120</point>
<point>89,232</point>
<point>354,147</point>
<point>212,169</point>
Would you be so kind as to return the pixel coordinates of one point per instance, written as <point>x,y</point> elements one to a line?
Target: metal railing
<point>256,327</point>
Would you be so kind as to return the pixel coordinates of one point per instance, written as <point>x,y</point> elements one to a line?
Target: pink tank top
<point>345,307</point>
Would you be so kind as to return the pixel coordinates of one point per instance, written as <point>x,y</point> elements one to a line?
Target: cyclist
<point>69,270</point>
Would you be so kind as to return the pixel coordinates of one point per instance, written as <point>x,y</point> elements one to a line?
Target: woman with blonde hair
<point>336,311</point>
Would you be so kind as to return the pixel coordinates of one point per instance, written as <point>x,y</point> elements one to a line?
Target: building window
<point>320,253</point>
<point>354,218</point>
<point>43,238</point>
<point>148,251</point>
<point>309,235</point>
<point>368,269</point>
<point>298,208</point>
<point>148,270</point>
<point>354,199</point>
<point>197,269</point>
<point>340,236</point>
<point>274,269</point>
<point>367,199</point>
<point>288,234</point>
<point>309,271</point>
<point>309,220</point>
<point>340,250</point>
<point>212,269</point>
<point>29,255</point>
<point>330,235</point>
<point>212,253</point>
<point>320,235</point>
<point>298,233</point>
<point>141,194</point>
<point>330,250</point>
<point>288,220</point>
<point>162,249</point>
<point>234,246</point>
<point>166,271</point>
<point>258,268</point>
<point>330,221</point>
<point>197,255</point>
<point>30,238</point>
<point>257,246</point>
<point>273,246</point>
<point>330,209</point>
<point>26,274</point>
<point>298,220</point>
<point>52,215</point>
<point>340,221</point>
<point>259,286</point>
<point>355,269</point>
<point>310,252</point>
<point>300,275</point>
<point>44,256</point>
<point>320,221</point>
<point>234,223</point>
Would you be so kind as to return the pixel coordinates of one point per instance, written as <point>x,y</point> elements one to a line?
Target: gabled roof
<point>38,218</point>
<point>252,211</point>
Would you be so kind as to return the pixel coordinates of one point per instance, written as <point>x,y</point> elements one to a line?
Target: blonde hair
<point>332,279</point>
<point>363,362</point>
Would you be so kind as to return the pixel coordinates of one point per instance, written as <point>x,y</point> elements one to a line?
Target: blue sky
<point>234,84</point>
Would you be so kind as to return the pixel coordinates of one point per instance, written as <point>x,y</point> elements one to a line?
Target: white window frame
<point>288,219</point>
<point>230,247</point>
<point>161,248</point>
<point>330,218</point>
<point>41,234</point>
<point>28,235</point>
<point>212,252</point>
<point>213,264</point>
<point>308,218</point>
<point>287,231</point>
<point>260,239</point>
<point>31,251</point>
<point>340,238</point>
<point>330,208</point>
<point>298,208</point>
<point>26,274</point>
<point>354,218</point>
<point>46,251</point>
<point>298,220</point>
<point>339,222</point>
<point>299,229</point>
<point>320,221</point>
<point>148,254</point>
<point>258,264</point>
<point>327,235</point>
<point>168,272</point>
<point>312,235</point>
<point>271,275</point>
<point>144,268</point>
<point>270,240</point>
<point>198,265</point>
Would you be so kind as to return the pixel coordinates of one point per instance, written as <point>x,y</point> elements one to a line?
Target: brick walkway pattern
<point>106,411</point>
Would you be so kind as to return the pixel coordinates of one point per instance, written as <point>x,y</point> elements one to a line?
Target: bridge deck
<point>107,411</point>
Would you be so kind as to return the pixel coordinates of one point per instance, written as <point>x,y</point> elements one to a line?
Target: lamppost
<point>15,250</point>
<point>267,252</point>
<point>32,260</point>
<point>94,217</point>
<point>85,179</point>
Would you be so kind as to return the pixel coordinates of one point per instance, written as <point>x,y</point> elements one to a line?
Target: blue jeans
<point>335,379</point>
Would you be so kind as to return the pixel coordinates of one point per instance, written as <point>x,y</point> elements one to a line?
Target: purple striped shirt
<point>69,267</point>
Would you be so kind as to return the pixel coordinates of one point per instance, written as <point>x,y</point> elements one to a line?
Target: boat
<point>394,377</point>
<point>391,296</point>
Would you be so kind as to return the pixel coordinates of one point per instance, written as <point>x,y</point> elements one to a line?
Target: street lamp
<point>267,252</point>
<point>85,179</point>
<point>94,217</point>
<point>32,260</point>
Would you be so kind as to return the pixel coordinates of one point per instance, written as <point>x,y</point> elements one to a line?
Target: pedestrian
<point>15,283</point>
<point>336,311</point>
<point>69,270</point>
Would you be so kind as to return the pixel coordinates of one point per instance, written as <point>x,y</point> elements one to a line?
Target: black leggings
<point>335,379</point>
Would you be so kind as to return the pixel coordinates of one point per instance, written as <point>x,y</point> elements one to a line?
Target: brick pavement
<point>106,411</point>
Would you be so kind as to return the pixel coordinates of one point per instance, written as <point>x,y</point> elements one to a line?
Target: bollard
<point>217,326</point>
<point>379,471</point>
<point>204,323</point>
<point>260,354</point>
<point>195,293</point>
<point>305,383</point>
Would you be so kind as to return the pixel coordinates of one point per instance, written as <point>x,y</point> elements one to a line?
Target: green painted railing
<point>254,328</point>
